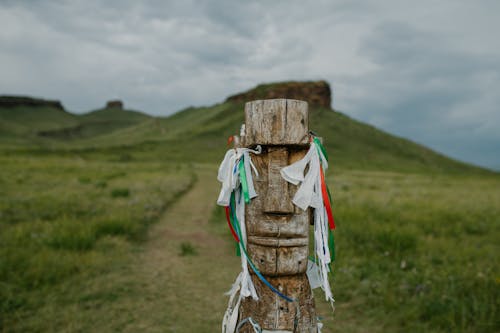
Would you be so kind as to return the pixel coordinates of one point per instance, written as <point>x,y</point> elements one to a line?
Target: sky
<point>424,70</point>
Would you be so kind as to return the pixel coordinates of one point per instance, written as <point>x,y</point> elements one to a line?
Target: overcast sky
<point>424,70</point>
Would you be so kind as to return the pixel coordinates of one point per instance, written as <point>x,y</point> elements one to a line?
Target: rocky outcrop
<point>316,93</point>
<point>15,101</point>
<point>114,104</point>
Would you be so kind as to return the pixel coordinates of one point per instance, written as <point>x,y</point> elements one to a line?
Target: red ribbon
<point>326,199</point>
<point>228,218</point>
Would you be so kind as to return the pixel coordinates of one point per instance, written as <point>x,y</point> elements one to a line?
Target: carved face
<point>278,231</point>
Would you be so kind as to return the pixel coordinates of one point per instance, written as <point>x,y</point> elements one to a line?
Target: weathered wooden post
<point>277,230</point>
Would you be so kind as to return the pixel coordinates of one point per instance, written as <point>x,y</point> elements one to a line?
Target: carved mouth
<point>279,256</point>
<point>278,242</point>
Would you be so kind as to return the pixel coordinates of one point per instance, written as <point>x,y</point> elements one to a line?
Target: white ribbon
<point>229,173</point>
<point>309,195</point>
<point>231,315</point>
<point>229,176</point>
<point>309,192</point>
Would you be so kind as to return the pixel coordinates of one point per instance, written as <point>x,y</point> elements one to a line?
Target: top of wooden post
<point>276,122</point>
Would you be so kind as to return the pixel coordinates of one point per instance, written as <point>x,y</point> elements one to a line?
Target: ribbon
<point>331,244</point>
<point>234,223</point>
<point>313,192</point>
<point>326,199</point>
<point>249,261</point>
<point>243,179</point>
<point>228,218</point>
<point>322,149</point>
<point>235,172</point>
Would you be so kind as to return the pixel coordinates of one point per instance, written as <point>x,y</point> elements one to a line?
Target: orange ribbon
<point>326,199</point>
<point>228,218</point>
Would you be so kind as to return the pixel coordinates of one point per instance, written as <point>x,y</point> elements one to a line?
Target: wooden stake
<point>278,232</point>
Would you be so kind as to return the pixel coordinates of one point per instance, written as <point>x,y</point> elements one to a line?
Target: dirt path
<point>168,292</point>
<point>184,293</point>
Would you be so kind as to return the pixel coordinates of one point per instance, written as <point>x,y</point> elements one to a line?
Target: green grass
<point>57,219</point>
<point>114,115</point>
<point>120,192</point>
<point>187,249</point>
<point>415,252</point>
<point>421,248</point>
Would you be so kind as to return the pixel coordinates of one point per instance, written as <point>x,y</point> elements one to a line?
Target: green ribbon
<point>238,251</point>
<point>329,195</point>
<point>232,217</point>
<point>321,147</point>
<point>243,179</point>
<point>331,245</point>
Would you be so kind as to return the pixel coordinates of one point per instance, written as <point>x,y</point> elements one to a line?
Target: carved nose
<point>277,200</point>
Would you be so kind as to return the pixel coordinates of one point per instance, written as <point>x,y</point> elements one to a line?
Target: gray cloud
<point>425,71</point>
<point>424,88</point>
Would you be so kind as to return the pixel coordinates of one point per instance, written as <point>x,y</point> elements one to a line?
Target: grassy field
<point>416,252</point>
<point>65,218</point>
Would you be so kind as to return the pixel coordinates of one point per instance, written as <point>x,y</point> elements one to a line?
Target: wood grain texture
<point>274,313</point>
<point>277,199</point>
<point>277,231</point>
<point>276,122</point>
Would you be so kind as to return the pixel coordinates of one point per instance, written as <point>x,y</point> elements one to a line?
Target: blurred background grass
<point>59,215</point>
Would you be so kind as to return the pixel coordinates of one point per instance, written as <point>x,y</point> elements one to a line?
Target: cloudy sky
<point>424,70</point>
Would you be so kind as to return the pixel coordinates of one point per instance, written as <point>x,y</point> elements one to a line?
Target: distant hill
<point>25,120</point>
<point>22,118</point>
<point>98,122</point>
<point>200,134</point>
<point>12,101</point>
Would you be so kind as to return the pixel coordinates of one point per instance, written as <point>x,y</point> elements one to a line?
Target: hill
<point>23,118</point>
<point>98,122</point>
<point>199,134</point>
<point>35,121</point>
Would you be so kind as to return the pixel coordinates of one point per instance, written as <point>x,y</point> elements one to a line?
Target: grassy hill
<point>200,134</point>
<point>46,123</point>
<point>115,114</point>
<point>21,124</point>
<point>98,122</point>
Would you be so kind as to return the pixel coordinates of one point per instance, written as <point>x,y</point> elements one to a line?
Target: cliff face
<point>114,104</point>
<point>316,93</point>
<point>15,101</point>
